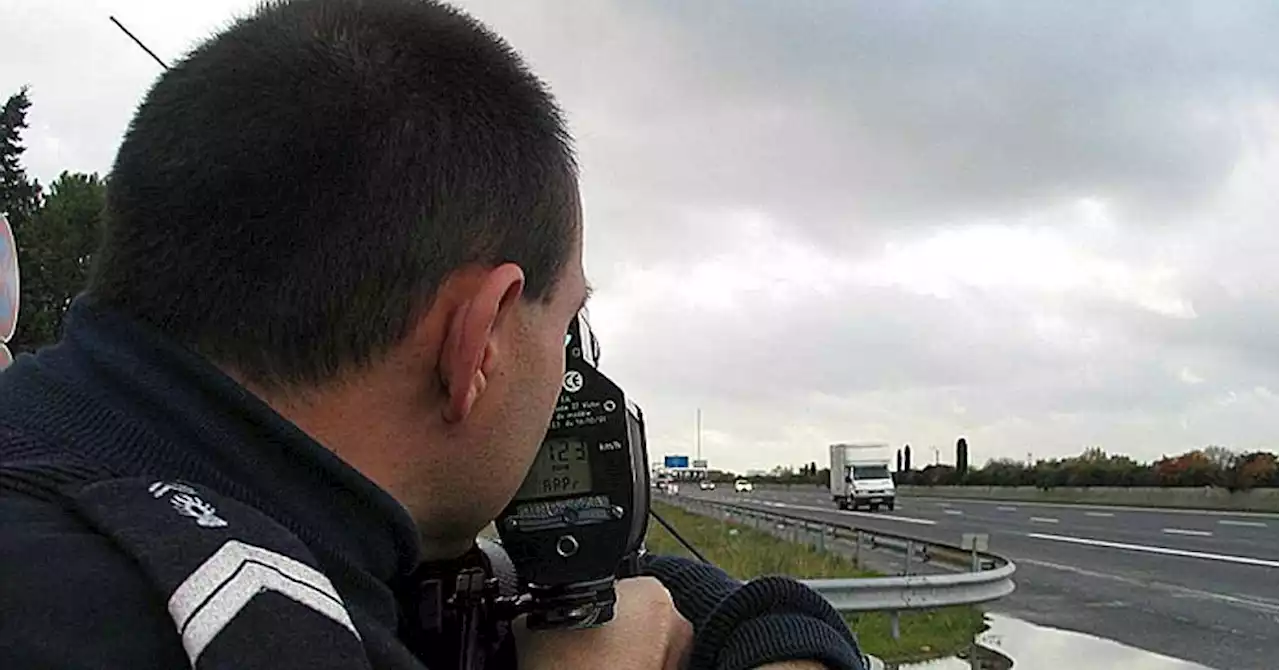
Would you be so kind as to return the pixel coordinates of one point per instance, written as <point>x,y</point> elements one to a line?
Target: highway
<point>1199,586</point>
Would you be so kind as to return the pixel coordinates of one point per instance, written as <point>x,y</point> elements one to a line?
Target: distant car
<point>742,486</point>
<point>707,485</point>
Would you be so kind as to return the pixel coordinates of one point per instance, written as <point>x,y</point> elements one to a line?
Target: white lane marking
<point>869,515</point>
<point>1006,508</point>
<point>1244,560</point>
<point>1184,531</point>
<point>1114,508</point>
<point>944,504</point>
<point>1043,519</point>
<point>1254,604</point>
<point>1250,524</point>
<point>1099,514</point>
<point>954,512</point>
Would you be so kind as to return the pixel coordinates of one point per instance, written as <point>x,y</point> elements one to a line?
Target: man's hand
<point>647,633</point>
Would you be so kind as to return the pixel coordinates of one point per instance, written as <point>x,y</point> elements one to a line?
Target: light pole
<point>698,434</point>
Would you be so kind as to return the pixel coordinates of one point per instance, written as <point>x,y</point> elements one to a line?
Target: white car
<point>707,485</point>
<point>742,486</point>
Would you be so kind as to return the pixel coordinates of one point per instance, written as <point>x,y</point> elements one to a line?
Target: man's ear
<point>473,336</point>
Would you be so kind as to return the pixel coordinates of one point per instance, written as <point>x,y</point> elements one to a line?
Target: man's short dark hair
<point>288,197</point>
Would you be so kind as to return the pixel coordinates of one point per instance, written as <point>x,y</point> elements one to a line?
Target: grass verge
<point>746,553</point>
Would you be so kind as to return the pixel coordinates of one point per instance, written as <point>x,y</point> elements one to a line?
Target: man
<point>322,341</point>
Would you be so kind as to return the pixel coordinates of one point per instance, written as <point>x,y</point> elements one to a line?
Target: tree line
<point>1210,466</point>
<point>55,230</point>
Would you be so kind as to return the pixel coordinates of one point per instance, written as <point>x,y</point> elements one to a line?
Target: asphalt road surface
<point>1199,586</point>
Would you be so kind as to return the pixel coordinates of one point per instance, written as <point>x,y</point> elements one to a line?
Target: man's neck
<point>355,419</point>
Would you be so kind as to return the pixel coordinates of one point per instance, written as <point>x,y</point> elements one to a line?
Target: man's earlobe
<point>458,406</point>
<point>458,403</point>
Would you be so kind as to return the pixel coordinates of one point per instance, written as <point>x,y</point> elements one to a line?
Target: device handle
<point>630,565</point>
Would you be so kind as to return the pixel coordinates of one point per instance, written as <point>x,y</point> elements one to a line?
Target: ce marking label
<point>573,381</point>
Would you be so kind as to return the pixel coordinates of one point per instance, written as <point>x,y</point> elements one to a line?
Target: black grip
<point>630,565</point>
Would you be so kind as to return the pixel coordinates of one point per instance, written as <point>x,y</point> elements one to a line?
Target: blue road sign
<point>675,461</point>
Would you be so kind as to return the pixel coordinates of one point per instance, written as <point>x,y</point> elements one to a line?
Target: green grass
<point>746,553</point>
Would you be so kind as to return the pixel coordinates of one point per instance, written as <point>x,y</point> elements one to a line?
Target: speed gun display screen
<point>562,468</point>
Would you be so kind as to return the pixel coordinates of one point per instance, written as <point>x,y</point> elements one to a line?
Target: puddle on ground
<point>1012,643</point>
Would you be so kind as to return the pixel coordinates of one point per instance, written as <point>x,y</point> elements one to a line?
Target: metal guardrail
<point>988,577</point>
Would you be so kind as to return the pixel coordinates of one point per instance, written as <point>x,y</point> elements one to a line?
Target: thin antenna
<point>138,42</point>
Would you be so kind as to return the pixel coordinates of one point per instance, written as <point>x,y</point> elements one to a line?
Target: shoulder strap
<point>243,591</point>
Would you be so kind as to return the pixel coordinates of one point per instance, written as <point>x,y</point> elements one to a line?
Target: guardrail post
<point>822,539</point>
<point>857,548</point>
<point>975,543</point>
<point>894,631</point>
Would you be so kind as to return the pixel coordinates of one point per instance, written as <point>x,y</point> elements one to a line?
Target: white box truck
<point>860,476</point>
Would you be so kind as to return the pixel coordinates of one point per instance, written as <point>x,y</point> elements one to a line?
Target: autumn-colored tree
<point>1193,468</point>
<point>1253,470</point>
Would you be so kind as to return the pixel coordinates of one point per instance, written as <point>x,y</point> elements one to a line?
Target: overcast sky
<point>1040,225</point>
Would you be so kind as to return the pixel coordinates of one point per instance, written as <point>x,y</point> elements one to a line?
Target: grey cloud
<point>1245,332</point>
<point>880,340</point>
<point>1227,272</point>
<point>843,118</point>
<point>994,101</point>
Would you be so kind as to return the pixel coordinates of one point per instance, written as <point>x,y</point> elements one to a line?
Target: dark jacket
<point>100,430</point>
